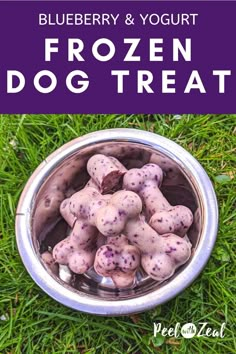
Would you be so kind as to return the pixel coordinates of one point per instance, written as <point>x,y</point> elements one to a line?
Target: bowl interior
<point>48,227</point>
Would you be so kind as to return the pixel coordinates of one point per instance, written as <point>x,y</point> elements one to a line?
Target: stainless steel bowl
<point>186,183</point>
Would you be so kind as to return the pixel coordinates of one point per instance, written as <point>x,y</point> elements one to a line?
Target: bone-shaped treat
<point>109,213</point>
<point>78,249</point>
<point>118,260</point>
<point>161,255</point>
<point>165,218</point>
<point>114,224</point>
<point>123,205</point>
<point>106,171</point>
<point>80,204</point>
<point>86,203</point>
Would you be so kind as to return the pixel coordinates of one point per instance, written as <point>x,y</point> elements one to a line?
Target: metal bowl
<point>186,182</point>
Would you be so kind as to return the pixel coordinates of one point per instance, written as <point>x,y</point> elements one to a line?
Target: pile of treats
<point>120,221</point>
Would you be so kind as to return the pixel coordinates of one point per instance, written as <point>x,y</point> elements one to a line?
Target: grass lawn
<point>31,322</point>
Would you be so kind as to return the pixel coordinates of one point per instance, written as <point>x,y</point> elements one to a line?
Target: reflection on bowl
<point>185,183</point>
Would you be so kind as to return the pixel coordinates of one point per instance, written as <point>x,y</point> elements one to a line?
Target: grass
<point>31,322</point>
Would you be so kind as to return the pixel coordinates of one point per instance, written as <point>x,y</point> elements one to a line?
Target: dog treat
<point>138,179</point>
<point>118,260</point>
<point>164,217</point>
<point>161,255</point>
<point>119,232</point>
<point>123,205</point>
<point>177,219</point>
<point>78,249</point>
<point>86,203</point>
<point>105,171</point>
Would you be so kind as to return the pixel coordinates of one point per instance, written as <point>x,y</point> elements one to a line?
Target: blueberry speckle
<point>171,249</point>
<point>108,253</point>
<point>122,213</point>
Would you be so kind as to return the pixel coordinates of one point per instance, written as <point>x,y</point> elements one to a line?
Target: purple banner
<point>117,57</point>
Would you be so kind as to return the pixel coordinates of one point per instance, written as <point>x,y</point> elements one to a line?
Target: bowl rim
<point>85,303</point>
